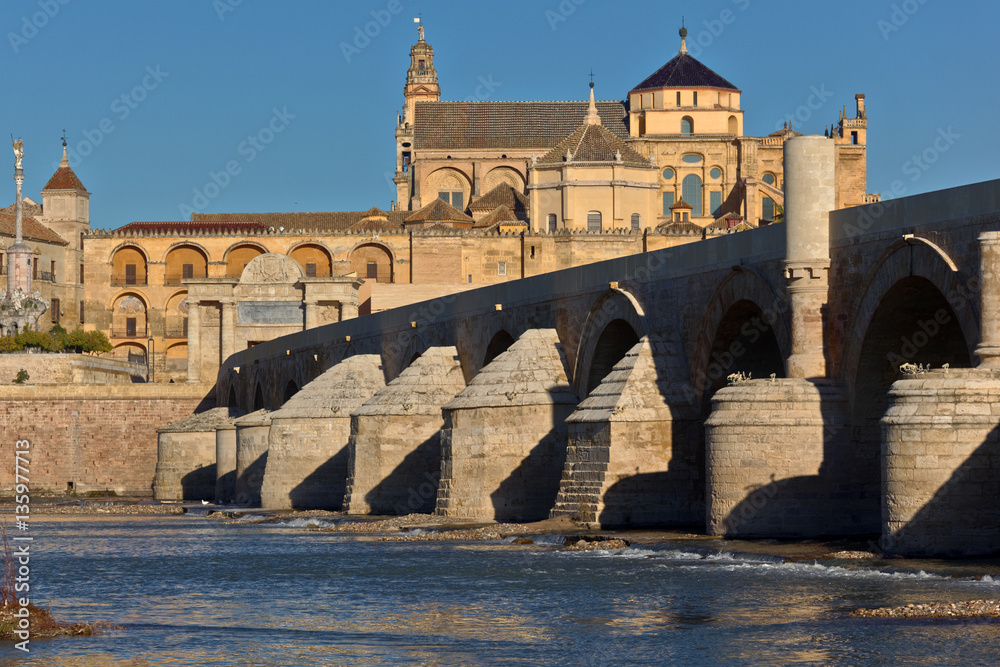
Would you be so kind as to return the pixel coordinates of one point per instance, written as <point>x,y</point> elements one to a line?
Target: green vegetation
<point>22,377</point>
<point>57,340</point>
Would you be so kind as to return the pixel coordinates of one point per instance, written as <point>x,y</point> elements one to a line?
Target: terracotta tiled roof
<point>375,212</point>
<point>681,204</point>
<point>248,228</point>
<point>64,179</point>
<point>502,195</point>
<point>332,221</point>
<point>684,71</point>
<point>366,225</point>
<point>31,229</point>
<point>438,211</point>
<point>594,143</point>
<point>510,125</point>
<point>501,215</point>
<point>681,229</point>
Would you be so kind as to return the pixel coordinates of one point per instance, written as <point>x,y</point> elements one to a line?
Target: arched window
<point>691,193</point>
<point>668,201</point>
<point>687,125</point>
<point>769,179</point>
<point>734,125</point>
<point>593,221</point>
<point>767,209</point>
<point>636,222</point>
<point>551,222</point>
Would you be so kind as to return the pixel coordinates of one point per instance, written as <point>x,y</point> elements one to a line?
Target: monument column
<point>312,313</point>
<point>227,344</point>
<point>194,342</point>
<point>809,198</point>
<point>18,254</point>
<point>988,350</point>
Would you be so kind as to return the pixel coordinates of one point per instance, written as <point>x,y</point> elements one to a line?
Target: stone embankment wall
<point>88,438</point>
<point>69,369</point>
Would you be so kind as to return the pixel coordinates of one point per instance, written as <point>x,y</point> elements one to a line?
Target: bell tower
<point>421,86</point>
<point>421,78</point>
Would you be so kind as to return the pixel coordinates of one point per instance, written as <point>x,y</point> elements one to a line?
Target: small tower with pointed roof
<point>66,211</point>
<point>592,180</point>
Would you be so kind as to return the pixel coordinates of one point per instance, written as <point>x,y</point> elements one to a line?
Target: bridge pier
<point>395,444</point>
<point>778,461</point>
<point>225,461</point>
<point>307,458</point>
<point>941,445</point>
<point>941,464</point>
<point>251,455</point>
<point>185,456</point>
<point>504,441</point>
<point>635,451</point>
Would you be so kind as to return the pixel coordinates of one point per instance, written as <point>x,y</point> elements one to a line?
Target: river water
<point>193,591</point>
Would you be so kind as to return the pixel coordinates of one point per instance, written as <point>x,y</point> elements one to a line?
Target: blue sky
<point>159,95</point>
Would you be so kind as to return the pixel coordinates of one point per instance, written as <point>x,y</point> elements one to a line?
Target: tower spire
<point>65,161</point>
<point>683,32</point>
<point>592,117</point>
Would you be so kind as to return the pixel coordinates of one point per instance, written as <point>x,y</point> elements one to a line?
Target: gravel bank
<point>971,609</point>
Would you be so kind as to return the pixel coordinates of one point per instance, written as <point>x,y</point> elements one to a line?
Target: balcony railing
<point>130,332</point>
<point>47,276</point>
<point>178,278</point>
<point>123,279</point>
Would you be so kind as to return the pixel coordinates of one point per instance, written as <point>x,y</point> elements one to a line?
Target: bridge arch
<point>291,388</point>
<point>258,398</point>
<point>498,344</point>
<point>911,258</point>
<point>615,323</point>
<point>414,348</point>
<point>744,329</point>
<point>915,307</point>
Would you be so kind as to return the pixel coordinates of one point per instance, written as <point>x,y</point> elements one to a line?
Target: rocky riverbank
<point>971,609</point>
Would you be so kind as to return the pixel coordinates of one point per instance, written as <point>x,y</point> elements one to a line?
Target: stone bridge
<point>748,384</point>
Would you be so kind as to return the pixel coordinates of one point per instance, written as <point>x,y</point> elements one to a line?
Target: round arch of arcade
<point>238,255</point>
<point>314,253</point>
<point>184,244</point>
<point>184,260</point>
<point>373,260</point>
<point>616,310</point>
<point>911,258</point>
<point>743,285</point>
<point>129,264</point>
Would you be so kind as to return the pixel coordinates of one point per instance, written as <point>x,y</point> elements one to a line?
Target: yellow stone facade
<point>594,181</point>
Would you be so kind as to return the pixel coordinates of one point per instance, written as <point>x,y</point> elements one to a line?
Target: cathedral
<point>486,192</point>
<point>684,121</point>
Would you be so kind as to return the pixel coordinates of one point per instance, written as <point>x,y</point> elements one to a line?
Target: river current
<point>193,591</point>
